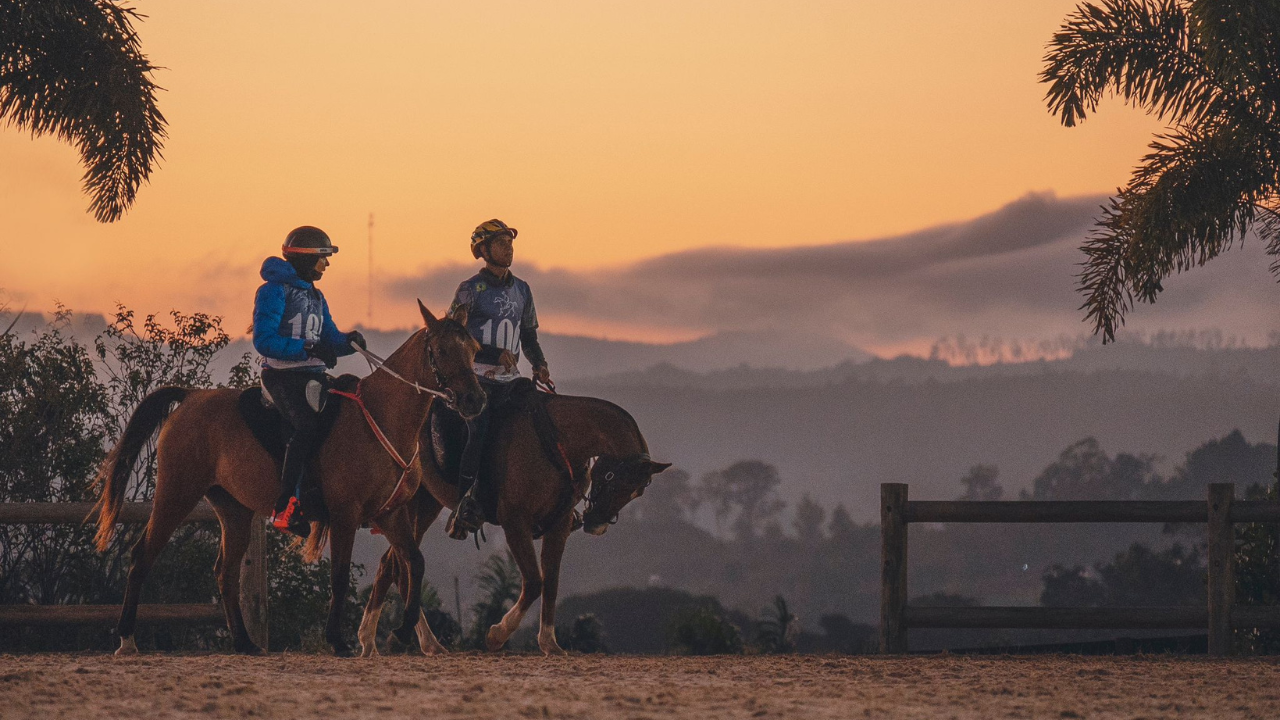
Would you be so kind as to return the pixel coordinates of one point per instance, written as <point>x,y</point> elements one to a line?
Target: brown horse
<point>205,449</point>
<point>610,467</point>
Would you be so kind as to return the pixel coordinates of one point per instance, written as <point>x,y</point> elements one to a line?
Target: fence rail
<point>1221,511</point>
<point>253,575</point>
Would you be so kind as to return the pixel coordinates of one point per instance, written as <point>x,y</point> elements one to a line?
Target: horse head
<point>614,483</point>
<point>449,357</point>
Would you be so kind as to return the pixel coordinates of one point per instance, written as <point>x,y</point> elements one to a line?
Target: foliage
<point>106,107</point>
<point>499,581</point>
<point>704,631</point>
<point>1258,573</point>
<point>585,635</point>
<point>982,483</point>
<point>1085,472</point>
<point>1138,577</point>
<point>777,628</point>
<point>1209,69</point>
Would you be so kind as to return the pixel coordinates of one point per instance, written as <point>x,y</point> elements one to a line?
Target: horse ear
<point>656,467</point>
<point>427,317</point>
<point>459,315</point>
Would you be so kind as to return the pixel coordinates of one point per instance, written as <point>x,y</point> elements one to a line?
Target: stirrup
<point>463,524</point>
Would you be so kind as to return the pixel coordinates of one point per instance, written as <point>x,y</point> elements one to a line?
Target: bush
<point>775,633</point>
<point>585,635</point>
<point>703,631</point>
<point>1258,575</point>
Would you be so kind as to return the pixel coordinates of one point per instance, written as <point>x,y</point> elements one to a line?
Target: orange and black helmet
<point>307,240</point>
<point>487,231</point>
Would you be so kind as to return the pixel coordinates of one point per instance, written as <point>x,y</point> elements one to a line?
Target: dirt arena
<point>501,686</point>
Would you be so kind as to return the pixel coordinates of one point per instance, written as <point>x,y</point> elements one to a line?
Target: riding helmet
<point>307,240</point>
<point>487,231</point>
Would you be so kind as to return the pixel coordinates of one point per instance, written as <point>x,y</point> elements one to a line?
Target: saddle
<point>449,438</point>
<point>270,428</point>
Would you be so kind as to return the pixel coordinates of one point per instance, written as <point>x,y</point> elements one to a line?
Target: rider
<point>297,339</point>
<point>501,317</point>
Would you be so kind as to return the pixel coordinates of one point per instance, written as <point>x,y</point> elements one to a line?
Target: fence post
<point>1222,577</point>
<point>253,584</point>
<point>893,568</point>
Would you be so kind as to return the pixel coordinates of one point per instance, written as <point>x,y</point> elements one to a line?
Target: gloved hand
<point>323,351</point>
<point>355,337</point>
<point>542,374</point>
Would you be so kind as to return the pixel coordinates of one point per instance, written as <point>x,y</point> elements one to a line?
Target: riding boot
<point>291,517</point>
<point>468,517</point>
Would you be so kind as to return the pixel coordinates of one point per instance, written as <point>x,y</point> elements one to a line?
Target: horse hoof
<point>368,651</point>
<point>555,651</point>
<point>405,634</point>
<point>494,640</point>
<point>128,646</point>
<point>341,651</point>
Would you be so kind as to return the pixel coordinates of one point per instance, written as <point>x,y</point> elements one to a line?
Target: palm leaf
<point>1138,49</point>
<point>75,69</point>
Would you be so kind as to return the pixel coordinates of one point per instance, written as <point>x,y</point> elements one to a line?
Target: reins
<point>399,493</point>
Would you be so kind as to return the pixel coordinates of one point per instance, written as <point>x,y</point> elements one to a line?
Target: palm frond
<point>1139,49</point>
<point>1194,196</point>
<point>75,69</point>
<point>1239,40</point>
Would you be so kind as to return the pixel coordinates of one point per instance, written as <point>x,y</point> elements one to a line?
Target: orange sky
<point>606,131</point>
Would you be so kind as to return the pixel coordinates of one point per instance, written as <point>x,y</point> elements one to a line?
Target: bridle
<point>377,363</point>
<point>596,489</point>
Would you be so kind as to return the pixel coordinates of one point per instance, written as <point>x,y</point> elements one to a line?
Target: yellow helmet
<point>487,231</point>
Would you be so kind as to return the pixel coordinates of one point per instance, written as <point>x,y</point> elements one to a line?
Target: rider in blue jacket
<point>297,339</point>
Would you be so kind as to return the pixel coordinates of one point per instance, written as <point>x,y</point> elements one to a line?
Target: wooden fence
<point>1221,511</point>
<point>253,575</point>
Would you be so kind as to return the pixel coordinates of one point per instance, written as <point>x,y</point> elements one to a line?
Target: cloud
<point>1010,273</point>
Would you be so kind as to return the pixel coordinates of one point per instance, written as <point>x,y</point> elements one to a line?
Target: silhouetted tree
<point>981,483</point>
<point>1137,577</point>
<point>775,632</point>
<point>1085,472</point>
<point>747,492</point>
<point>1212,71</point>
<point>75,69</point>
<point>808,521</point>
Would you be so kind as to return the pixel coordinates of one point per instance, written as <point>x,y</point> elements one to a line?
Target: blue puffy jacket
<point>289,314</point>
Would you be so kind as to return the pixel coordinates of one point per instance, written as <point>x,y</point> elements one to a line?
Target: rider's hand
<point>542,374</point>
<point>507,360</point>
<point>355,337</point>
<point>324,352</point>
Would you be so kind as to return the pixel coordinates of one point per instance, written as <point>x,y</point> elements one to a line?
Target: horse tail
<point>113,476</point>
<point>313,549</point>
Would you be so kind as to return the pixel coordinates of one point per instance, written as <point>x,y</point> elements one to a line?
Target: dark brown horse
<point>610,467</point>
<point>205,449</point>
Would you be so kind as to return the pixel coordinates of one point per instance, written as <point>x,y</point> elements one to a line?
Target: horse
<point>205,449</point>
<point>603,458</point>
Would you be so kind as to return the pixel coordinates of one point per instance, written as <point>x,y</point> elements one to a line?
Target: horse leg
<point>388,568</point>
<point>237,522</point>
<point>520,540</point>
<point>552,550</point>
<point>170,506</point>
<point>428,510</point>
<point>398,530</point>
<point>342,536</point>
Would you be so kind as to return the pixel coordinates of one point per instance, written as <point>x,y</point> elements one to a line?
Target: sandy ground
<point>502,686</point>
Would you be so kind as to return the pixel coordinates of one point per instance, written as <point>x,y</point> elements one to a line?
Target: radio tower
<point>369,282</point>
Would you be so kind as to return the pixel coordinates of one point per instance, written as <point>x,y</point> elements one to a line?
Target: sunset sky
<point>607,132</point>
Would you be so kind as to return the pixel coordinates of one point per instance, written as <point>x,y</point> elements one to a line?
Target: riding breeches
<point>299,396</point>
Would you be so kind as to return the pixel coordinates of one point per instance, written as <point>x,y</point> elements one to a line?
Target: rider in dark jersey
<point>501,317</point>
<point>296,337</point>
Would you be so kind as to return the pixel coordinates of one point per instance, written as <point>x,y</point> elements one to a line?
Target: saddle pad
<point>269,427</point>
